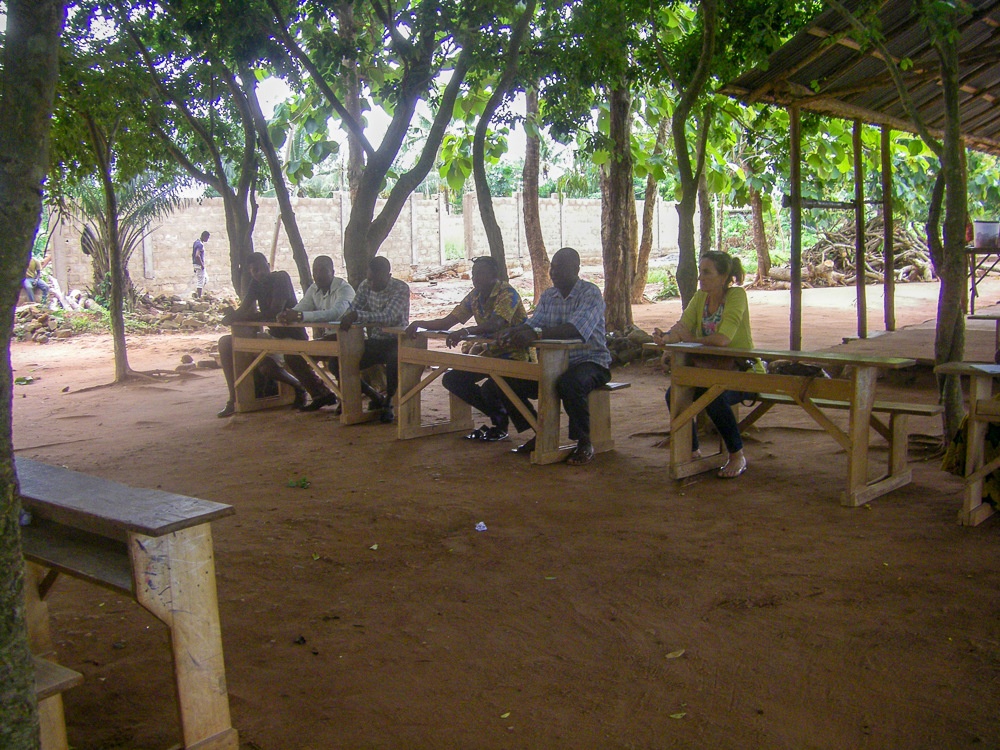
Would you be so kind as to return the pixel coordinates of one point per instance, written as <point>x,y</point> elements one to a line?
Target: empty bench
<point>896,433</point>
<point>152,546</point>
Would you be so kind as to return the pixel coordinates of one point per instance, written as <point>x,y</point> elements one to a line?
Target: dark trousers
<point>466,386</point>
<point>306,375</point>
<point>722,417</point>
<point>573,387</point>
<point>383,352</point>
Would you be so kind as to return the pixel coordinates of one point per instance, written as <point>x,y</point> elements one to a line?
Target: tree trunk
<point>493,234</point>
<point>299,254</point>
<point>648,211</point>
<point>759,235</point>
<point>619,259</point>
<point>532,216</point>
<point>351,81</point>
<point>240,231</point>
<point>30,70</point>
<point>949,339</point>
<point>706,216</point>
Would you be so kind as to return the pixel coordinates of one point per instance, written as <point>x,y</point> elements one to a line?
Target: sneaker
<point>229,411</point>
<point>493,434</point>
<point>300,398</point>
<point>387,416</point>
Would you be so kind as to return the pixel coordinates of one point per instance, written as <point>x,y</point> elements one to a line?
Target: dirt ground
<point>604,607</point>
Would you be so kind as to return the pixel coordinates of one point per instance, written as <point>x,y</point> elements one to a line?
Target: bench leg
<point>50,711</point>
<point>600,421</point>
<point>974,511</point>
<point>175,580</point>
<point>899,438</point>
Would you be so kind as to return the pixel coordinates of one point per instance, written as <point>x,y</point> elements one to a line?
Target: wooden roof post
<point>889,258</point>
<point>795,162</point>
<point>860,264</point>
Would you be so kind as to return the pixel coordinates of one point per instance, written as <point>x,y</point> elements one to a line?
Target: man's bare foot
<point>736,466</point>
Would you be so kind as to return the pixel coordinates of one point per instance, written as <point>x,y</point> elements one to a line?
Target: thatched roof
<point>822,70</point>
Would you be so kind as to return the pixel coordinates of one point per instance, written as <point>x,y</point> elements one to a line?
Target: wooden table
<point>348,347</point>
<point>152,546</point>
<point>858,392</point>
<point>553,361</point>
<point>983,409</point>
<point>979,257</point>
<point>995,317</point>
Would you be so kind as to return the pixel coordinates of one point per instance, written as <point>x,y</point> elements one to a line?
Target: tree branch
<point>658,46</point>
<point>350,123</point>
<point>181,159</point>
<point>897,77</point>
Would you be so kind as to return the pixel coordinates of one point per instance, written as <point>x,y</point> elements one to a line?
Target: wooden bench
<point>553,360</point>
<point>983,410</point>
<point>808,392</point>
<point>896,433</point>
<point>51,680</point>
<point>152,546</point>
<point>348,347</point>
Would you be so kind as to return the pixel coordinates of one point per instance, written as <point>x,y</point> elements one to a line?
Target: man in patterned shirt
<point>381,302</point>
<point>495,304</point>
<point>571,309</point>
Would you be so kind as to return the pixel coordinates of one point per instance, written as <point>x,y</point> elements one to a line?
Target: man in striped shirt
<point>381,302</point>
<point>571,309</point>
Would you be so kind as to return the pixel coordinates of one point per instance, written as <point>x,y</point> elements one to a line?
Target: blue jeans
<point>31,284</point>
<point>722,417</point>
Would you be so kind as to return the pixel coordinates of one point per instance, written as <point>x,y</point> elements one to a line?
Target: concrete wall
<point>163,263</point>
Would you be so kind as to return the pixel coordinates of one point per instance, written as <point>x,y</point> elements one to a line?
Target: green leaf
<point>601,156</point>
<point>311,125</point>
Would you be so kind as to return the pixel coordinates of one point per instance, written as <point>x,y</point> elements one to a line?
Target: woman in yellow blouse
<point>718,316</point>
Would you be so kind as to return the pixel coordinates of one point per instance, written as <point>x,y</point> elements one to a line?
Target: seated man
<point>33,279</point>
<point>495,305</point>
<point>571,309</point>
<point>324,302</point>
<point>266,296</point>
<point>381,301</point>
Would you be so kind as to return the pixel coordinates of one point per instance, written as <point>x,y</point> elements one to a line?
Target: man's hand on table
<point>349,319</point>
<point>517,337</point>
<point>411,330</point>
<point>290,316</point>
<point>454,337</point>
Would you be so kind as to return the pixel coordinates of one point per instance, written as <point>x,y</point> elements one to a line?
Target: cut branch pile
<point>830,262</point>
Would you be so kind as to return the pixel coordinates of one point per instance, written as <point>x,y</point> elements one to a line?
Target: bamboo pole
<point>888,261</point>
<point>795,161</point>
<point>859,231</point>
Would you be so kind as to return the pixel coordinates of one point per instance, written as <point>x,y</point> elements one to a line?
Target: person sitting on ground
<point>267,295</point>
<point>571,309</point>
<point>495,305</point>
<point>381,302</point>
<point>33,279</point>
<point>325,301</point>
<point>718,315</point>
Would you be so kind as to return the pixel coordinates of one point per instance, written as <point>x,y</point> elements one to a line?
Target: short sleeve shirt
<point>198,253</point>
<point>503,301</point>
<point>584,309</point>
<point>34,268</point>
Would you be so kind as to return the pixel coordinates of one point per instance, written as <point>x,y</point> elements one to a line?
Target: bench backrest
<point>108,508</point>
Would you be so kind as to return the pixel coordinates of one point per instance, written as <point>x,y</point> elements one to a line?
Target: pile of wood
<point>830,262</point>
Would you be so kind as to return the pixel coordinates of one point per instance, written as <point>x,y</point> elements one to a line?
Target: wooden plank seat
<point>153,546</point>
<point>553,359</point>
<point>51,681</point>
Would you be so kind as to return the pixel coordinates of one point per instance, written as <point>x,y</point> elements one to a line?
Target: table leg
<point>408,414</point>
<point>553,363</point>
<point>859,491</point>
<point>972,278</point>
<point>352,347</point>
<point>175,580</point>
<point>51,719</point>
<point>974,510</point>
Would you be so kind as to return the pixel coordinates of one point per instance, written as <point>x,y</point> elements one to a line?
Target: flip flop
<point>720,475</point>
<point>581,456</point>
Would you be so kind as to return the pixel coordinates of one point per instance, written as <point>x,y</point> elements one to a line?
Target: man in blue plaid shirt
<point>571,309</point>
<point>381,302</point>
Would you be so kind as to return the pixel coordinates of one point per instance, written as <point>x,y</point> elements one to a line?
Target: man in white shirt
<point>325,301</point>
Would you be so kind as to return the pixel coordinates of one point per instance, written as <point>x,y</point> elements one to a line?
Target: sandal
<point>581,455</point>
<point>721,475</point>
<point>479,434</point>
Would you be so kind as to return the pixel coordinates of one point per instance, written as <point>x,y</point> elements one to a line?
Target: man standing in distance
<point>381,302</point>
<point>198,262</point>
<point>571,309</point>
